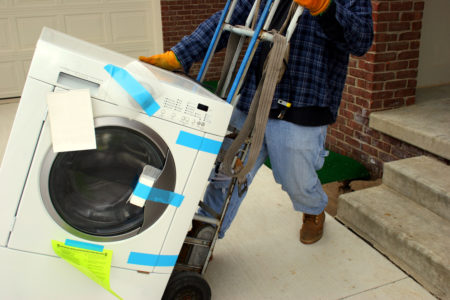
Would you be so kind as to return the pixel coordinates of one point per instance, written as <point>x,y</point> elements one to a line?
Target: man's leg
<point>296,153</point>
<point>217,189</point>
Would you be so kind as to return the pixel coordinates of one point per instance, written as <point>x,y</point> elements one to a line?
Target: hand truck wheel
<point>187,286</point>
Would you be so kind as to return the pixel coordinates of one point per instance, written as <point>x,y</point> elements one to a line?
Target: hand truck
<point>186,281</point>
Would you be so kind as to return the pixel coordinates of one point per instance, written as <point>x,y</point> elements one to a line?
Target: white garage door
<point>131,27</point>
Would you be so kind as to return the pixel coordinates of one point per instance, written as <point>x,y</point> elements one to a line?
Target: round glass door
<point>88,191</point>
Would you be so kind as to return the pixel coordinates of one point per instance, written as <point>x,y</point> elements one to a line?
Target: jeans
<point>295,153</point>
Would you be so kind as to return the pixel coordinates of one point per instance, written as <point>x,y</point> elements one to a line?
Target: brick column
<point>384,78</point>
<point>181,17</point>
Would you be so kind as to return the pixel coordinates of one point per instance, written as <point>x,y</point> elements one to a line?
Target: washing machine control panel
<point>190,113</point>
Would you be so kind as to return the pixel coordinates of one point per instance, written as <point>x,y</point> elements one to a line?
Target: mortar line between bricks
<point>374,288</point>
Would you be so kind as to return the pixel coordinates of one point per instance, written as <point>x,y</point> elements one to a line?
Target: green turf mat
<point>211,85</point>
<point>338,167</point>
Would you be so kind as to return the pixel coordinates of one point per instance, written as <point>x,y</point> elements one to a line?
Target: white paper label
<point>71,120</point>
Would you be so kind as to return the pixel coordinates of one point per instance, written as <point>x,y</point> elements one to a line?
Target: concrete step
<point>422,179</point>
<point>424,124</point>
<point>415,238</point>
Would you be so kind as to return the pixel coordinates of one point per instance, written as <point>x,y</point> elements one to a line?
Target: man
<point>326,33</point>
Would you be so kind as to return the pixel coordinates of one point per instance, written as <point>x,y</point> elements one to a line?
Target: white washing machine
<point>82,196</point>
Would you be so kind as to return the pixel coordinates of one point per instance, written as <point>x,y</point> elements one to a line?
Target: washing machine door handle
<point>144,186</point>
<point>166,181</point>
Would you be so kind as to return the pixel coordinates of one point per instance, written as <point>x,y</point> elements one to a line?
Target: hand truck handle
<point>213,44</point>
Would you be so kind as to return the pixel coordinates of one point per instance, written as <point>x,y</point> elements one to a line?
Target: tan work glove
<point>166,60</point>
<point>315,7</point>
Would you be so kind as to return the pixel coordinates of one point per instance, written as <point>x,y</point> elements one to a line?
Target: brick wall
<point>181,17</point>
<point>384,78</point>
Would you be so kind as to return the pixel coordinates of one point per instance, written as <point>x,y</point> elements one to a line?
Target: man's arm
<point>193,47</point>
<point>349,24</point>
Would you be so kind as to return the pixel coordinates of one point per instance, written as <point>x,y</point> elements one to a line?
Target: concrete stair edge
<point>422,125</point>
<point>378,218</point>
<point>418,179</point>
<point>426,265</point>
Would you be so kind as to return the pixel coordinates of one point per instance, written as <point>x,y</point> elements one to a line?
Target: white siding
<point>132,27</point>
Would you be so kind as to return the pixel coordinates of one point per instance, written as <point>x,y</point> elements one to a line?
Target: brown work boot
<point>312,229</point>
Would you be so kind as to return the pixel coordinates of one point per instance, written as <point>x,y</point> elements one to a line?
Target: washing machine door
<point>87,192</point>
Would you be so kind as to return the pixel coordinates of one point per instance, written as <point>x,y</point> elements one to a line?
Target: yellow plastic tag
<point>94,264</point>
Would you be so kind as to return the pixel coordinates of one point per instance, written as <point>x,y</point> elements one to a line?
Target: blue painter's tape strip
<point>210,146</point>
<point>189,140</point>
<point>157,195</point>
<point>199,143</point>
<point>152,260</point>
<point>84,245</point>
<point>134,88</point>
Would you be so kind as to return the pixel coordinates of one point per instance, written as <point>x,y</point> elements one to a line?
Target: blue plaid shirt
<point>317,67</point>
